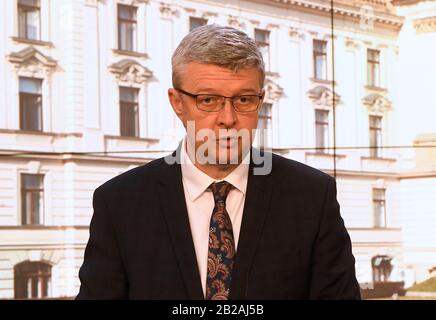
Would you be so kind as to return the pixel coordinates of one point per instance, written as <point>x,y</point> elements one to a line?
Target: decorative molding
<point>325,155</point>
<point>130,72</point>
<point>167,11</point>
<point>190,10</point>
<point>31,62</point>
<point>344,10</point>
<point>329,36</point>
<point>380,159</point>
<point>296,33</point>
<point>425,25</point>
<point>271,26</point>
<point>130,53</point>
<point>351,43</point>
<point>323,97</point>
<point>273,92</point>
<point>34,167</point>
<point>255,23</point>
<point>51,256</point>
<point>373,89</point>
<point>382,46</point>
<point>377,104</point>
<point>235,22</point>
<point>34,42</point>
<point>209,14</point>
<point>140,139</point>
<point>380,183</point>
<point>41,133</point>
<point>323,81</point>
<point>132,2</point>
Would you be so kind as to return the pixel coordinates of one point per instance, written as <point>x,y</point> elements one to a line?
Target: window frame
<point>129,104</point>
<point>38,278</point>
<point>23,114</point>
<point>375,150</point>
<point>319,54</point>
<point>379,202</point>
<point>25,9</point>
<point>326,136</point>
<point>23,194</point>
<point>264,44</point>
<point>373,69</point>
<point>121,20</point>
<point>191,18</point>
<point>267,119</point>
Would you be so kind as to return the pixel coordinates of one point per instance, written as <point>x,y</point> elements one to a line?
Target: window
<point>322,130</point>
<point>320,59</point>
<point>30,104</point>
<point>129,118</point>
<point>381,268</point>
<point>126,28</point>
<point>375,136</point>
<point>196,22</point>
<point>29,19</point>
<point>373,63</point>
<point>262,40</point>
<point>264,122</point>
<point>32,199</point>
<point>32,279</point>
<point>379,205</point>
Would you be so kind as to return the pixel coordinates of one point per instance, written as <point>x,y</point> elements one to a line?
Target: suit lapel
<point>259,189</point>
<point>175,213</point>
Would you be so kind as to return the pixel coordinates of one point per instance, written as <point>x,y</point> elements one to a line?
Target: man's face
<point>200,78</point>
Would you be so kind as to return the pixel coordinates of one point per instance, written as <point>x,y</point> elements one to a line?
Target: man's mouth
<point>228,142</point>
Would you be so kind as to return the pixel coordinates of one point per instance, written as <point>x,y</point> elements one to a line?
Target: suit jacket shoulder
<point>142,176</point>
<point>288,168</point>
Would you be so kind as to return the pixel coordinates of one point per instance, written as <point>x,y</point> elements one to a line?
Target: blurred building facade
<point>83,98</point>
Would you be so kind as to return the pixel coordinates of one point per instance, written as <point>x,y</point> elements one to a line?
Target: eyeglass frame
<point>192,95</point>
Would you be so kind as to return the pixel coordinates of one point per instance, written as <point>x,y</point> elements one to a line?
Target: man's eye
<point>243,100</point>
<point>207,100</point>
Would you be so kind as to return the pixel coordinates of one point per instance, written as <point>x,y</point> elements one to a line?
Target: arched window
<point>32,280</point>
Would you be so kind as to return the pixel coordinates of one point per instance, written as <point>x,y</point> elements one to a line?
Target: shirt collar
<point>196,181</point>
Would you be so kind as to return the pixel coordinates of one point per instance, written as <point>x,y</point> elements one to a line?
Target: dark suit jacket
<point>292,244</point>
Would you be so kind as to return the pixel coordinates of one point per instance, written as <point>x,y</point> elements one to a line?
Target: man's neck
<point>215,171</point>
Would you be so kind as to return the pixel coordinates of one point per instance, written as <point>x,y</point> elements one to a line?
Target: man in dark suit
<point>218,219</point>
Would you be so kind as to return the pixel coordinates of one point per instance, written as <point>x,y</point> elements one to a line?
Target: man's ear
<point>176,102</point>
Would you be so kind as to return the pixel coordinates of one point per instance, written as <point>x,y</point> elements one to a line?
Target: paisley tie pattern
<point>221,245</point>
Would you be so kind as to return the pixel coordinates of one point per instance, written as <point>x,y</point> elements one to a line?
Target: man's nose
<point>227,115</point>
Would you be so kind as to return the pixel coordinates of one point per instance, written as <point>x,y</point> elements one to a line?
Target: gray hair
<point>218,45</point>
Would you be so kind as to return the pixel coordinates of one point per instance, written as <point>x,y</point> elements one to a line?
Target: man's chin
<point>228,156</point>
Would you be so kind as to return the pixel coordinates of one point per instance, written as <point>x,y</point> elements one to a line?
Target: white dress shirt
<point>200,204</point>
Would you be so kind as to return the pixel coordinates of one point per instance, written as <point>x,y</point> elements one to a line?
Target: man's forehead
<point>210,77</point>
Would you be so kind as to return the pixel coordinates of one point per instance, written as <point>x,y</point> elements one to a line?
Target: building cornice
<point>405,2</point>
<point>381,14</point>
<point>425,25</point>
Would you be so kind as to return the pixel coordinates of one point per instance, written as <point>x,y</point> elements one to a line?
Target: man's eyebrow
<point>214,91</point>
<point>205,90</point>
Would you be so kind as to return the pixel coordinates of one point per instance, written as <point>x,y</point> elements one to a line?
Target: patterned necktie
<point>221,246</point>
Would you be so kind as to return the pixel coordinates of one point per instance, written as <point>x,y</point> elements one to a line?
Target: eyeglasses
<point>214,102</point>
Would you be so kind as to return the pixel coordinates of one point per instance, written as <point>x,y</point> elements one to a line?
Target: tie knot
<point>220,190</point>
